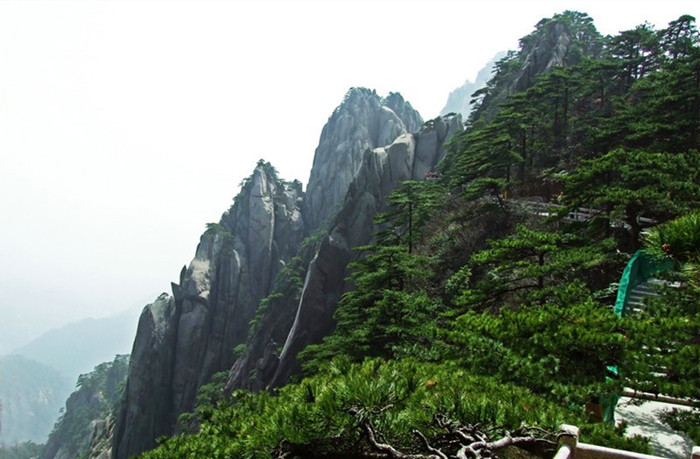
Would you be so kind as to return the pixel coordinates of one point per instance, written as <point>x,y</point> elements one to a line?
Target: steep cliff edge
<point>295,323</point>
<point>249,269</point>
<point>88,413</point>
<point>409,157</point>
<point>363,121</point>
<point>562,40</point>
<point>185,338</point>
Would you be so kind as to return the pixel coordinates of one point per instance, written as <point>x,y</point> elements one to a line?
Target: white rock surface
<point>645,419</point>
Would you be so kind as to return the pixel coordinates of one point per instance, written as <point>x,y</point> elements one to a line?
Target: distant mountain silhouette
<point>31,395</point>
<point>78,347</point>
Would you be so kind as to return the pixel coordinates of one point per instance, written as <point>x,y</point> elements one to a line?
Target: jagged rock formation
<point>101,438</point>
<point>307,318</point>
<point>185,338</point>
<point>459,100</point>
<point>254,286</point>
<point>558,41</point>
<point>84,429</point>
<point>363,121</point>
<point>411,156</point>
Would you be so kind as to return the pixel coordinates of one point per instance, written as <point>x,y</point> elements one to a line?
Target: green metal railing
<point>639,269</point>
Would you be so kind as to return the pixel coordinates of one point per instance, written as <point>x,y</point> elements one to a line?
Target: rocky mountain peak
<point>189,336</point>
<point>183,339</point>
<point>408,157</point>
<point>561,40</point>
<point>363,121</point>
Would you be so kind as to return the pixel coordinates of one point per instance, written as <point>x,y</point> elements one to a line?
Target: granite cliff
<point>84,427</point>
<point>186,337</point>
<point>363,121</point>
<point>562,40</point>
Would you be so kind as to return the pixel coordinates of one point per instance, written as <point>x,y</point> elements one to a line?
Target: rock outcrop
<point>363,121</point>
<point>266,279</point>
<point>269,358</point>
<point>183,339</point>
<point>85,428</point>
<point>101,438</point>
<point>252,267</point>
<point>558,41</point>
<point>410,156</point>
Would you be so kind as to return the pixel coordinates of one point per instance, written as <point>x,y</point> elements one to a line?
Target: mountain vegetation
<point>81,429</point>
<point>480,316</point>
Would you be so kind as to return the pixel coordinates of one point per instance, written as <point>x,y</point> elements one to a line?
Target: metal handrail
<point>570,448</point>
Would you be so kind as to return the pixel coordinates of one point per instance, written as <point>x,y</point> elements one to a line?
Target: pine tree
<point>560,348</point>
<point>623,186</point>
<point>528,267</point>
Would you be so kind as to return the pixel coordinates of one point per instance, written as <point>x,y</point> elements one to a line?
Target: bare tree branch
<point>435,451</point>
<point>390,450</point>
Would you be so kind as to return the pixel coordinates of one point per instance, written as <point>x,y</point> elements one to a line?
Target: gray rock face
<point>548,53</point>
<point>147,389</point>
<point>410,156</point>
<point>185,338</point>
<point>270,355</point>
<point>363,121</point>
<point>182,340</point>
<point>560,41</point>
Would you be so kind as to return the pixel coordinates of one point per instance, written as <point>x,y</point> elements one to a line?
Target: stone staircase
<point>645,290</point>
<point>648,289</point>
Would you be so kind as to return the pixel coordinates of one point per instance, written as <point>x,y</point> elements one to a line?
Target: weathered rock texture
<point>365,149</point>
<point>256,253</point>
<point>86,426</point>
<point>183,339</point>
<point>101,438</point>
<point>410,156</point>
<point>305,317</point>
<point>560,41</point>
<point>363,121</point>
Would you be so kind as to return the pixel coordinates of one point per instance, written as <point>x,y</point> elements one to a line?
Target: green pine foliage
<point>327,415</point>
<point>560,349</point>
<point>665,334</point>
<point>625,186</point>
<point>389,313</point>
<point>525,267</point>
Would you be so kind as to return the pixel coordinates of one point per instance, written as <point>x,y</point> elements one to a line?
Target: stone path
<point>643,418</point>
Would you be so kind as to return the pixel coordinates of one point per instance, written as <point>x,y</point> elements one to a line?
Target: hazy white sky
<point>125,126</point>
